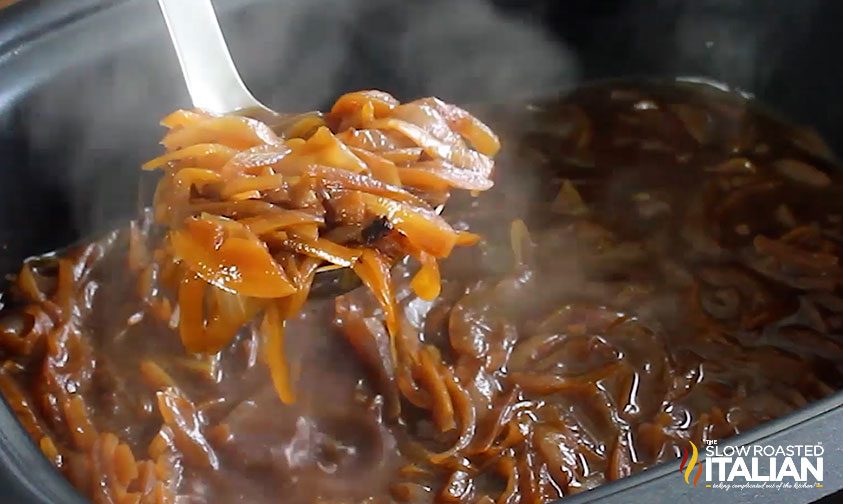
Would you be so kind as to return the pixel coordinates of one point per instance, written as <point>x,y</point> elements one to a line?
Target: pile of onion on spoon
<point>251,213</point>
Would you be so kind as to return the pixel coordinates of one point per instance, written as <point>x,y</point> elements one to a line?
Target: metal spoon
<point>209,72</point>
<point>215,85</point>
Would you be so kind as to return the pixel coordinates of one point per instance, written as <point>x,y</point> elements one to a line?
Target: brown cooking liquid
<point>672,274</point>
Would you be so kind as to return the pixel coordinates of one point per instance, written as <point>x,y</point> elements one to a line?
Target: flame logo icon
<point>694,454</point>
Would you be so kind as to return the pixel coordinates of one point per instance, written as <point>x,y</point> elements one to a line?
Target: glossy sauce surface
<point>660,264</point>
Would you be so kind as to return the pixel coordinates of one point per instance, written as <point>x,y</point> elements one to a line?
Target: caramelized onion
<point>179,413</point>
<point>232,131</point>
<point>424,228</point>
<point>203,155</point>
<point>604,346</point>
<point>272,329</point>
<point>240,264</point>
<point>245,209</point>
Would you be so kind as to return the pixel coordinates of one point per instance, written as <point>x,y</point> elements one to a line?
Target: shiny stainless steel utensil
<point>215,85</point>
<point>209,72</point>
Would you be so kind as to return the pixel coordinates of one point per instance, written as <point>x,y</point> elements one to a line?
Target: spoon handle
<point>209,72</point>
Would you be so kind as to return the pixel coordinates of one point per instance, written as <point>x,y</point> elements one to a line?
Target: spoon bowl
<point>215,85</point>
